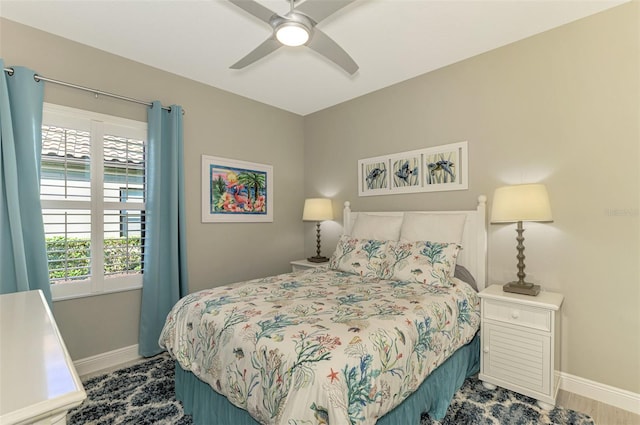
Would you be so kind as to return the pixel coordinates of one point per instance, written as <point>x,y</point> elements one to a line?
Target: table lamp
<point>515,204</point>
<point>317,209</point>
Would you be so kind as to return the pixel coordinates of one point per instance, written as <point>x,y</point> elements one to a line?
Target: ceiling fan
<point>297,28</point>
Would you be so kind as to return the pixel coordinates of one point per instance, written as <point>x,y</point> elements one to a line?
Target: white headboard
<point>473,255</point>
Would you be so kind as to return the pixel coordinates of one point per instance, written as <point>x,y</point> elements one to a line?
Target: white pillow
<point>444,228</point>
<point>377,227</point>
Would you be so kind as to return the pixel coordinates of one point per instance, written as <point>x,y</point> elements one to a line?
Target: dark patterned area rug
<point>474,404</point>
<point>144,394</point>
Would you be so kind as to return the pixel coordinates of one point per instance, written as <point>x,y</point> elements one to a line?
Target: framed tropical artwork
<point>236,191</point>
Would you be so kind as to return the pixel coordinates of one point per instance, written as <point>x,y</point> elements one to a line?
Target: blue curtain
<point>165,278</point>
<point>23,252</point>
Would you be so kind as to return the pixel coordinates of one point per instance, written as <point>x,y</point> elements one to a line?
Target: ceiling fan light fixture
<point>292,34</point>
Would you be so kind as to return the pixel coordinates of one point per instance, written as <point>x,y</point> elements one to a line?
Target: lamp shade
<point>317,209</point>
<point>523,202</point>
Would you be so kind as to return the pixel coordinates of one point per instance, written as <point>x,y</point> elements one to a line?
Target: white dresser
<point>520,338</point>
<point>38,382</point>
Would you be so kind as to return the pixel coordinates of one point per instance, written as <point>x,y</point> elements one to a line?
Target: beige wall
<point>560,108</point>
<point>216,123</point>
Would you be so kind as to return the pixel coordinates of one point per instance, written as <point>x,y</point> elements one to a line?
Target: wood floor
<point>602,414</point>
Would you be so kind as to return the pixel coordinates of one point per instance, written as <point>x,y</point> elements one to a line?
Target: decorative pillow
<point>433,227</point>
<point>431,263</point>
<point>364,257</point>
<point>377,227</point>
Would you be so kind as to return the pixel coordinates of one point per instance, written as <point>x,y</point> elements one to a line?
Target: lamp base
<point>317,259</point>
<point>519,288</point>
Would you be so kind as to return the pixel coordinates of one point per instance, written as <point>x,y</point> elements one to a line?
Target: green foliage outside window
<point>69,258</point>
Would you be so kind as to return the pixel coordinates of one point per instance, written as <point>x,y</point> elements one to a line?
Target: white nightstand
<point>520,339</point>
<point>298,265</point>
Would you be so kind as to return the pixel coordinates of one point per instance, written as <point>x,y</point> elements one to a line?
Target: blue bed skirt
<point>433,396</point>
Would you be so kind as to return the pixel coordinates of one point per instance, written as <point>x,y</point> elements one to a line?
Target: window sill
<point>83,290</point>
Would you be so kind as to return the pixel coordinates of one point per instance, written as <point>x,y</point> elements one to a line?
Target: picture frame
<point>434,169</point>
<point>445,167</point>
<point>236,191</point>
<point>406,172</point>
<point>373,176</point>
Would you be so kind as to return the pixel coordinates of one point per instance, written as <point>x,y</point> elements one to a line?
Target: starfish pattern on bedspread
<point>144,394</point>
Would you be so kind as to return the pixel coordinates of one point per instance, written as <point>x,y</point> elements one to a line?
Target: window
<point>130,220</point>
<point>92,189</point>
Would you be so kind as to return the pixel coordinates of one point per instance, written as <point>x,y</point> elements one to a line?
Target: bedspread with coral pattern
<point>319,346</point>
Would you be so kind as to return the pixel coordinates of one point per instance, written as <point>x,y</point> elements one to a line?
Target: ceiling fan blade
<point>323,44</point>
<point>320,9</point>
<point>267,46</point>
<point>255,9</point>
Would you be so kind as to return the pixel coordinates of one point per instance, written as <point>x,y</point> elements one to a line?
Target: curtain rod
<point>94,91</point>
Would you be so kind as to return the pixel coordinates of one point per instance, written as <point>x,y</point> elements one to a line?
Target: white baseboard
<point>622,399</point>
<point>107,360</point>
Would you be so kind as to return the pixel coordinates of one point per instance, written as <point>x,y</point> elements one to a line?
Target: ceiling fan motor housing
<point>292,19</point>
<point>297,28</point>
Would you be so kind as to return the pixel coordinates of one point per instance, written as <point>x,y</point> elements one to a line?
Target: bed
<point>386,331</point>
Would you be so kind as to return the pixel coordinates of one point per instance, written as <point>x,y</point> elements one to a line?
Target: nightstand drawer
<point>517,314</point>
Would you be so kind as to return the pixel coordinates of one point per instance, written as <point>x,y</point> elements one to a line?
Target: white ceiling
<point>391,40</point>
